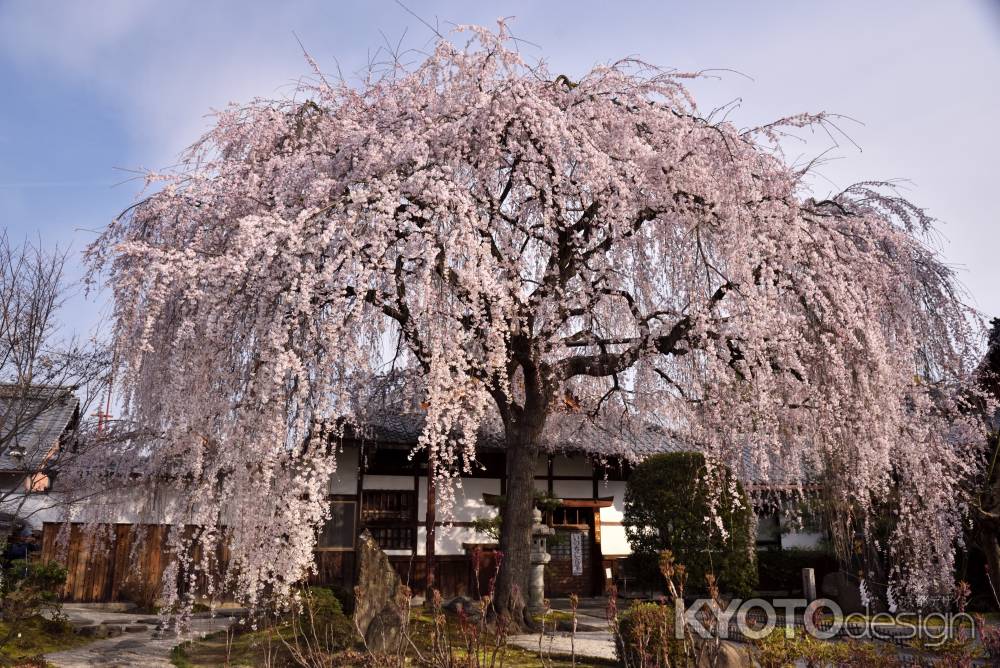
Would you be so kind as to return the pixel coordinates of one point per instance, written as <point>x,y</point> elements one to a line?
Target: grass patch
<point>254,648</point>
<point>235,647</point>
<point>322,620</point>
<point>38,636</point>
<point>421,629</point>
<point>555,616</point>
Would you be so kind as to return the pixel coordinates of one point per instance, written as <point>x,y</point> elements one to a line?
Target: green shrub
<point>778,651</point>
<point>666,508</point>
<point>646,637</point>
<point>346,598</point>
<point>35,636</point>
<point>323,618</point>
<point>28,589</point>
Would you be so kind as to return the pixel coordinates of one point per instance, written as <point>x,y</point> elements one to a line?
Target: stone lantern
<point>539,557</point>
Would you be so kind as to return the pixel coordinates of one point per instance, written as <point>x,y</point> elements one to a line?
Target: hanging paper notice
<point>576,552</point>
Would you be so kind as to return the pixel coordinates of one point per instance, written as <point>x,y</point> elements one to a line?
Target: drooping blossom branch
<point>518,240</point>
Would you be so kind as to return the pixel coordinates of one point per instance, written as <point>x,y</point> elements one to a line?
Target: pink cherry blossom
<point>516,238</point>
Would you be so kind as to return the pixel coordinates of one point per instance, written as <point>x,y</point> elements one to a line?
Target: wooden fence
<point>126,562</point>
<point>113,562</point>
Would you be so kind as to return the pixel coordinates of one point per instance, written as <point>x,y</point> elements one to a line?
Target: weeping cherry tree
<point>524,241</point>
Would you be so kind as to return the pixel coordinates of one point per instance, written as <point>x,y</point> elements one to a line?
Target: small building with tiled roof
<point>37,423</point>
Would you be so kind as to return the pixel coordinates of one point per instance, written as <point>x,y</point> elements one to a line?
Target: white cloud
<point>163,66</point>
<point>75,36</point>
<point>919,75</point>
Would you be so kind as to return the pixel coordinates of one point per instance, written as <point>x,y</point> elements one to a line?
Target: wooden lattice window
<point>390,516</point>
<point>394,538</point>
<point>570,517</point>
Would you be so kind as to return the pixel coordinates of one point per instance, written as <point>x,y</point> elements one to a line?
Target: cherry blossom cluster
<point>526,240</point>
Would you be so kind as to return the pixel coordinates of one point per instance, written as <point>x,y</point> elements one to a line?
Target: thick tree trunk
<point>523,441</point>
<point>986,527</point>
<point>985,532</point>
<point>991,552</point>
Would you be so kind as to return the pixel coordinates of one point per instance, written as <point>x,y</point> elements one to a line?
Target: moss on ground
<point>235,648</point>
<point>252,648</point>
<point>37,636</point>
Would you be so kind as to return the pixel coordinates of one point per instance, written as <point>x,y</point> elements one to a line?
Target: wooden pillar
<point>357,513</point>
<point>809,584</point>
<point>430,521</point>
<point>503,476</point>
<point>551,471</point>
<point>596,553</point>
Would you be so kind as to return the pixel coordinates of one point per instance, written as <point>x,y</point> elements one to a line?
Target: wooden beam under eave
<point>603,502</point>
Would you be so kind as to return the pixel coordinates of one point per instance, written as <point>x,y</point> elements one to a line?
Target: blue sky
<point>92,91</point>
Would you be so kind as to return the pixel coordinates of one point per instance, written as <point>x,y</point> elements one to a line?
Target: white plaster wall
<point>448,540</point>
<point>386,482</point>
<point>128,506</point>
<point>573,489</point>
<point>33,509</point>
<point>563,465</point>
<point>345,479</point>
<point>613,541</point>
<point>422,540</point>
<point>803,540</point>
<point>793,537</point>
<point>616,489</point>
<point>469,504</point>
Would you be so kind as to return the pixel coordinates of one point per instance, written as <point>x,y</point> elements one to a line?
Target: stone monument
<point>380,598</point>
<point>539,557</point>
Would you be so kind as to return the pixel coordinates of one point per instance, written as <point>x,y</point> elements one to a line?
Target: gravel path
<point>135,646</point>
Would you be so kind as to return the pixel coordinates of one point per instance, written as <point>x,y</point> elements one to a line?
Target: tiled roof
<point>633,440</point>
<point>31,424</point>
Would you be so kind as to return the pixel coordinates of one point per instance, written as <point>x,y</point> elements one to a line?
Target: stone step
<point>108,629</point>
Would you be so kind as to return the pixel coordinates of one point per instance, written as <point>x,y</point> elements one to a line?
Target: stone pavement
<point>135,642</point>
<point>594,643</point>
<point>587,644</point>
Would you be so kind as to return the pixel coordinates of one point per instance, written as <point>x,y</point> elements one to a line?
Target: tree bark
<point>986,527</point>
<point>991,553</point>
<point>523,441</point>
<point>986,531</point>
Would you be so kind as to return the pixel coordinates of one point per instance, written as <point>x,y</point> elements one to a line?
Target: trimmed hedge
<point>646,636</point>
<point>666,508</point>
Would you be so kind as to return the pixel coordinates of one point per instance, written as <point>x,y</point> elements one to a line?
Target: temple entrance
<point>577,562</point>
